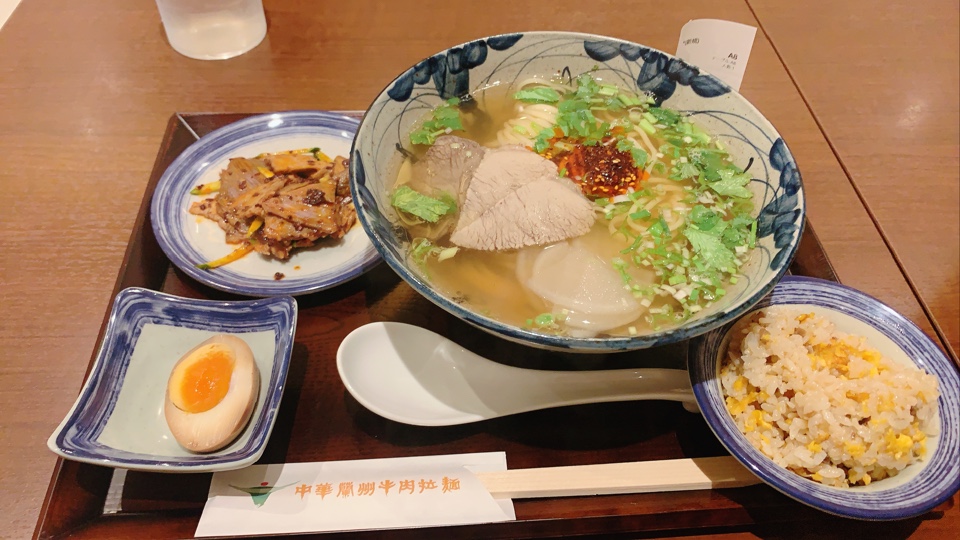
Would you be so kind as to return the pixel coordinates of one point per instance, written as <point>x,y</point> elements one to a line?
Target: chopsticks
<point>613,478</point>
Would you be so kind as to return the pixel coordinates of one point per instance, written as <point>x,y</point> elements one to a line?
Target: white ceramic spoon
<point>415,376</point>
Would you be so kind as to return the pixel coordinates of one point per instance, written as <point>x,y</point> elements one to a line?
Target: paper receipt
<point>722,48</point>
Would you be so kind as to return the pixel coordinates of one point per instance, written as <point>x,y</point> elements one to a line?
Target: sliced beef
<point>447,167</point>
<point>516,198</point>
<point>295,163</point>
<point>299,199</point>
<point>341,176</point>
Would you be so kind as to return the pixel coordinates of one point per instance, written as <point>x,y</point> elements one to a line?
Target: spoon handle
<point>613,478</point>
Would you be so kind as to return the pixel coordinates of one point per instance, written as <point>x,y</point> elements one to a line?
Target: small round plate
<point>189,240</point>
<point>919,487</point>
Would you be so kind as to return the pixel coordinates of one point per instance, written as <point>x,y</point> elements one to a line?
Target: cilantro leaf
<point>703,218</point>
<point>709,162</point>
<point>710,248</point>
<point>587,86</point>
<point>542,142</point>
<point>732,184</point>
<point>639,156</point>
<point>740,231</point>
<point>684,171</point>
<point>422,136</point>
<point>595,135</point>
<point>445,117</point>
<point>426,208</point>
<point>742,221</point>
<point>538,95</point>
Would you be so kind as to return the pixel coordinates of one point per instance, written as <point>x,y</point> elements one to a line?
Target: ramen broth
<point>487,281</point>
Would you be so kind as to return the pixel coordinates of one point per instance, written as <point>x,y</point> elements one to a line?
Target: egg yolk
<point>201,381</point>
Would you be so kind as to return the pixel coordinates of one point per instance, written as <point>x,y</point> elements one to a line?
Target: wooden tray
<point>318,419</point>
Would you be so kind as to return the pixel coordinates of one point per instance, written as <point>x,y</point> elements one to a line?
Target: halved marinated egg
<point>211,393</point>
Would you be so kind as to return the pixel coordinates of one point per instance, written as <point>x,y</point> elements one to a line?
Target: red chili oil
<point>601,170</point>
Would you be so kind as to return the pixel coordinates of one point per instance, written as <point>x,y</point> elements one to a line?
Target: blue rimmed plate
<point>189,240</point>
<point>118,421</point>
<point>918,488</point>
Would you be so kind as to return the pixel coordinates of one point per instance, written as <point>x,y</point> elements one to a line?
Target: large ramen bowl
<point>383,139</point>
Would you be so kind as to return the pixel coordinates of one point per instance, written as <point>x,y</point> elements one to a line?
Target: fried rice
<point>823,403</point>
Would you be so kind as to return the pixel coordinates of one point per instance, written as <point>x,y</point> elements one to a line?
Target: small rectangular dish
<point>118,421</point>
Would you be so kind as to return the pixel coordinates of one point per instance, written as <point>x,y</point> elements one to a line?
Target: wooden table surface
<point>865,97</point>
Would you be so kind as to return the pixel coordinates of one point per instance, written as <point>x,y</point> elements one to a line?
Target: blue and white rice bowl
<point>918,488</point>
<point>778,194</point>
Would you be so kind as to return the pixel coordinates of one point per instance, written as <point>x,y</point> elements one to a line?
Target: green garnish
<point>686,170</point>
<point>731,183</point>
<point>576,119</point>
<point>547,321</point>
<point>587,86</point>
<point>542,142</point>
<point>659,230</point>
<point>426,208</point>
<point>667,117</point>
<point>630,101</point>
<point>422,249</point>
<point>639,156</point>
<point>538,95</point>
<point>647,126</point>
<point>544,319</point>
<point>446,253</point>
<point>692,262</point>
<point>711,250</point>
<point>444,119</point>
<point>703,218</point>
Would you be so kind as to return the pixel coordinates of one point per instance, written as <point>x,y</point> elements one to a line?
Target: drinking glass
<point>213,29</point>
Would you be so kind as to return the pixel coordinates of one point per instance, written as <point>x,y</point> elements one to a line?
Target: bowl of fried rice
<point>835,400</point>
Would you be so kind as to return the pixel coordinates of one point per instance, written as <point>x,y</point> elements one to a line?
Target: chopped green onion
<point>447,253</point>
<point>607,90</point>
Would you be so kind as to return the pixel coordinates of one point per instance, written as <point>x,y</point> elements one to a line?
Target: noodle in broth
<point>674,237</point>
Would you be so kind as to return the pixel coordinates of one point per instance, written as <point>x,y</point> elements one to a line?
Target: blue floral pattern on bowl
<point>778,193</point>
<point>450,70</point>
<point>660,73</point>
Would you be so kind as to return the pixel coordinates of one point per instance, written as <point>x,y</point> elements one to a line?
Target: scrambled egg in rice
<point>822,403</point>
